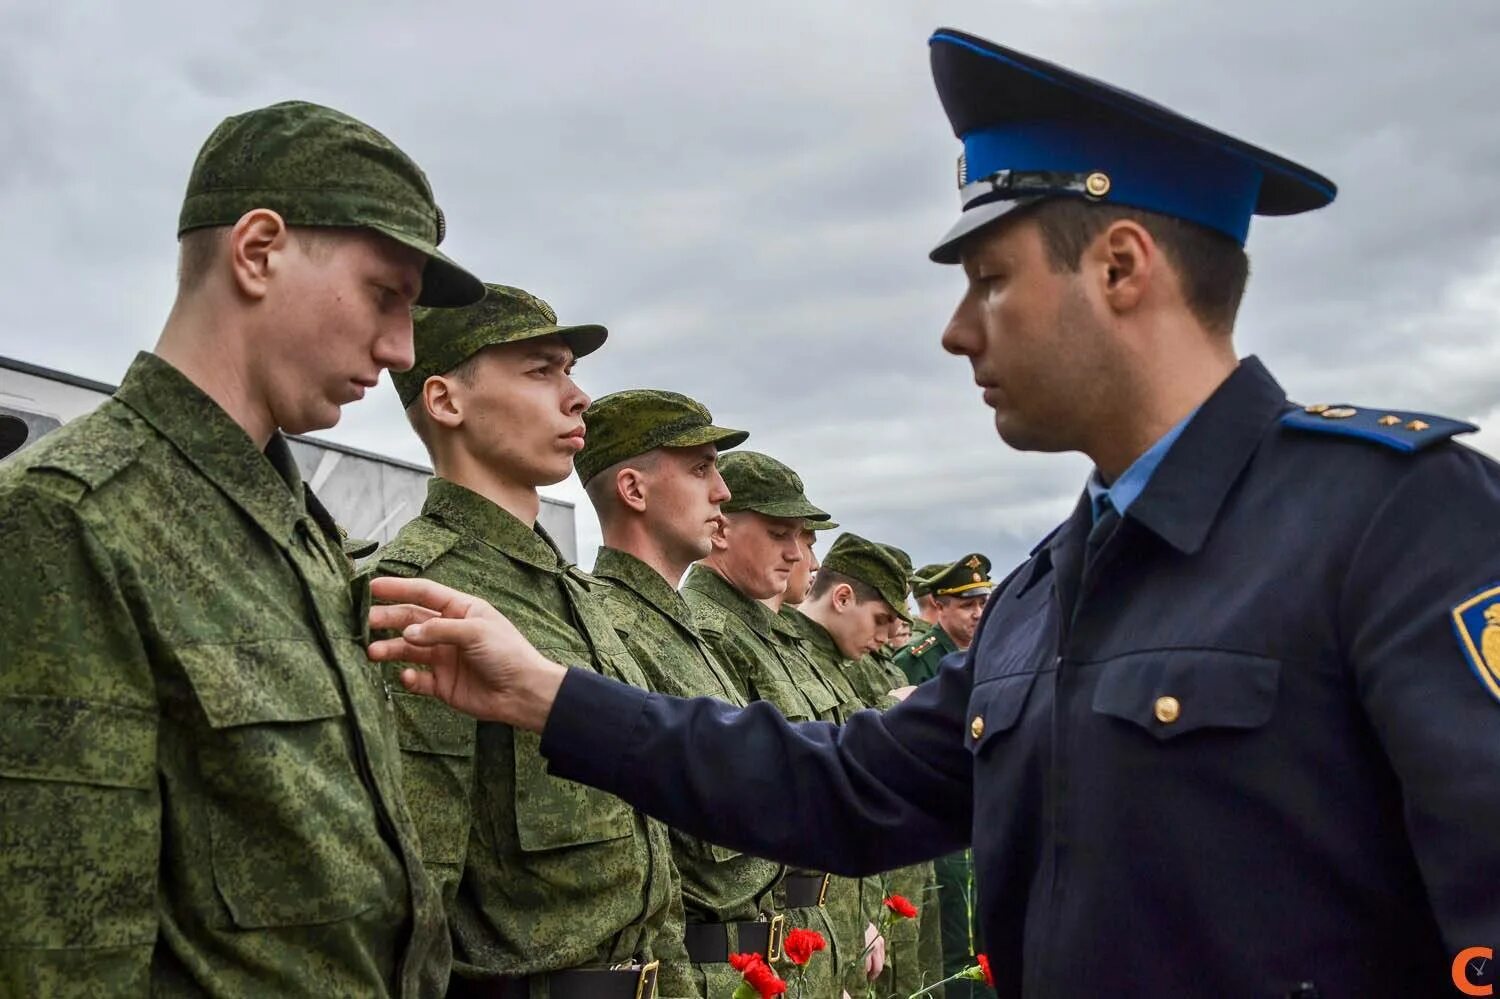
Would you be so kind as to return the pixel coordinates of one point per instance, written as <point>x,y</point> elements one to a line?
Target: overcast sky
<point>745,194</point>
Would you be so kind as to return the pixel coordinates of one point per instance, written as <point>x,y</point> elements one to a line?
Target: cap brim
<point>970,222</point>
<point>789,509</point>
<point>445,285</point>
<point>821,525</point>
<point>721,437</point>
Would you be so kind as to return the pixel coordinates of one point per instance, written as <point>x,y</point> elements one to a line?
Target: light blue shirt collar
<point>1132,482</point>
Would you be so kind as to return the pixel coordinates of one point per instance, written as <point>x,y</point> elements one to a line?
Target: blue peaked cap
<point>1032,130</point>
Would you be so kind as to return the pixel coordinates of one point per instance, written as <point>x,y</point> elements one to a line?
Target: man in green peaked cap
<point>649,467</point>
<point>549,887</point>
<point>756,551</point>
<point>198,786</point>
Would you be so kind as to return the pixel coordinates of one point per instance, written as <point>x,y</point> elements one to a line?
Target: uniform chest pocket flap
<point>994,706</point>
<point>294,833</point>
<point>1170,693</point>
<point>554,814</point>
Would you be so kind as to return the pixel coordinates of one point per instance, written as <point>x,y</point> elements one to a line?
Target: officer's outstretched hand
<point>477,662</point>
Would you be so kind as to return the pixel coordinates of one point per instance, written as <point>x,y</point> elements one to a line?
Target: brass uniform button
<point>1096,184</point>
<point>1339,413</point>
<point>1418,425</point>
<point>976,727</point>
<point>1168,710</point>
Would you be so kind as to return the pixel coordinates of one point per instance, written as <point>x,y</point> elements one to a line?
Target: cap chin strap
<point>967,587</point>
<point>1017,184</point>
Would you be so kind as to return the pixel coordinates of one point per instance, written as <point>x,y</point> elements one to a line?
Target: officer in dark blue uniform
<point>1233,729</point>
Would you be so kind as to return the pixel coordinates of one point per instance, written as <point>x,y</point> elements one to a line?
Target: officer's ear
<point>630,489</point>
<point>257,246</point>
<point>442,404</point>
<point>1127,260</point>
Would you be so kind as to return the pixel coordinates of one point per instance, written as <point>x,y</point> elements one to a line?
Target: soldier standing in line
<point>958,593</point>
<point>197,789</point>
<point>551,888</point>
<point>649,465</point>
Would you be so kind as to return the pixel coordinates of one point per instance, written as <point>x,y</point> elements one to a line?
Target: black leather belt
<point>803,891</point>
<point>708,943</point>
<point>577,983</point>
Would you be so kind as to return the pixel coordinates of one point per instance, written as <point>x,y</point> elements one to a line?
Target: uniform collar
<point>1183,497</point>
<point>1123,491</point>
<point>624,569</point>
<point>756,615</point>
<point>469,513</point>
<point>265,484</point>
<point>816,635</point>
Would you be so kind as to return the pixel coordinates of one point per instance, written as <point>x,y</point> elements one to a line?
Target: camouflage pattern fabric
<point>764,485</point>
<point>742,633</point>
<point>538,874</point>
<point>315,166</point>
<point>197,767</point>
<point>719,885</point>
<point>624,425</point>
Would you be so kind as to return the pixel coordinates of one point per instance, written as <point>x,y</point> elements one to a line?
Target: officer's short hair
<point>827,579</point>
<point>601,486</point>
<point>1213,268</point>
<point>416,413</point>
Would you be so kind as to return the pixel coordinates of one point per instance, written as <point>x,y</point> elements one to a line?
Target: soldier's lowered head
<point>491,393</point>
<point>650,467</point>
<point>305,238</point>
<point>757,543</point>
<point>859,595</point>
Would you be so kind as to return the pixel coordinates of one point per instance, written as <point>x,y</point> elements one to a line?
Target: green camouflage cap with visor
<point>820,525</point>
<point>446,338</point>
<point>920,585</point>
<point>761,484</point>
<point>315,166</point>
<point>624,425</point>
<point>968,577</point>
<point>873,564</point>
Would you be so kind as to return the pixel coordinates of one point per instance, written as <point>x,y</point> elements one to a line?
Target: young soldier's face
<point>959,617</point>
<point>860,627</point>
<point>1035,338</point>
<point>801,578</point>
<point>760,553</point>
<point>522,411</point>
<point>337,314</point>
<point>683,493</point>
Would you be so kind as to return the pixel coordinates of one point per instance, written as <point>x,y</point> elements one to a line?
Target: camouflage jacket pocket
<point>78,792</point>
<point>437,750</point>
<point>294,832</point>
<point>552,814</point>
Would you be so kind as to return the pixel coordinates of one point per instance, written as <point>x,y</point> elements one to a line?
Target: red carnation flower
<point>802,944</point>
<point>984,965</point>
<point>758,974</point>
<point>901,907</point>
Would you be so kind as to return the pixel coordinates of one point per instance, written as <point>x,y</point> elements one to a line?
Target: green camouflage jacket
<point>652,619</point>
<point>537,874</point>
<point>198,776</point>
<point>800,632</point>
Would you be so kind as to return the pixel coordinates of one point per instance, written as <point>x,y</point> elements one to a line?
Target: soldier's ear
<point>630,489</point>
<point>720,538</point>
<point>442,405</point>
<point>843,597</point>
<point>257,247</point>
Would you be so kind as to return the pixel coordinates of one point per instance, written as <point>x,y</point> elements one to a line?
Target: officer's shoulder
<point>923,647</point>
<point>1398,430</point>
<point>415,547</point>
<point>84,456</point>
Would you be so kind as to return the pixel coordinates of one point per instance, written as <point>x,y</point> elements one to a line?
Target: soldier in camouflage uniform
<point>198,781</point>
<point>649,467</point>
<point>757,550</point>
<point>921,592</point>
<point>958,593</point>
<point>548,885</point>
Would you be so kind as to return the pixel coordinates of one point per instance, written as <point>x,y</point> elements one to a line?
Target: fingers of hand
<point>418,682</point>
<point>396,617</point>
<point>424,593</point>
<point>400,650</point>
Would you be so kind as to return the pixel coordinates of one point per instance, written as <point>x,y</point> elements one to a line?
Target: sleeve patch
<point>1477,624</point>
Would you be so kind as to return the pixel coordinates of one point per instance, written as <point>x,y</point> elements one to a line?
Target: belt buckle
<point>774,936</point>
<point>646,985</point>
<point>823,891</point>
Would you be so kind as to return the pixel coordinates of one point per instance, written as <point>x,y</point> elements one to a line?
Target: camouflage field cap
<point>764,485</point>
<point>625,424</point>
<point>900,555</point>
<point>875,565</point>
<point>920,587</point>
<point>446,338</point>
<point>968,577</point>
<point>315,166</point>
<point>820,525</point>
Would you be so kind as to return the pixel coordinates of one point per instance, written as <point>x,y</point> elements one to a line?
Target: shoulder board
<point>620,607</point>
<point>417,546</point>
<point>1396,429</point>
<point>924,645</point>
<point>708,616</point>
<point>93,450</point>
